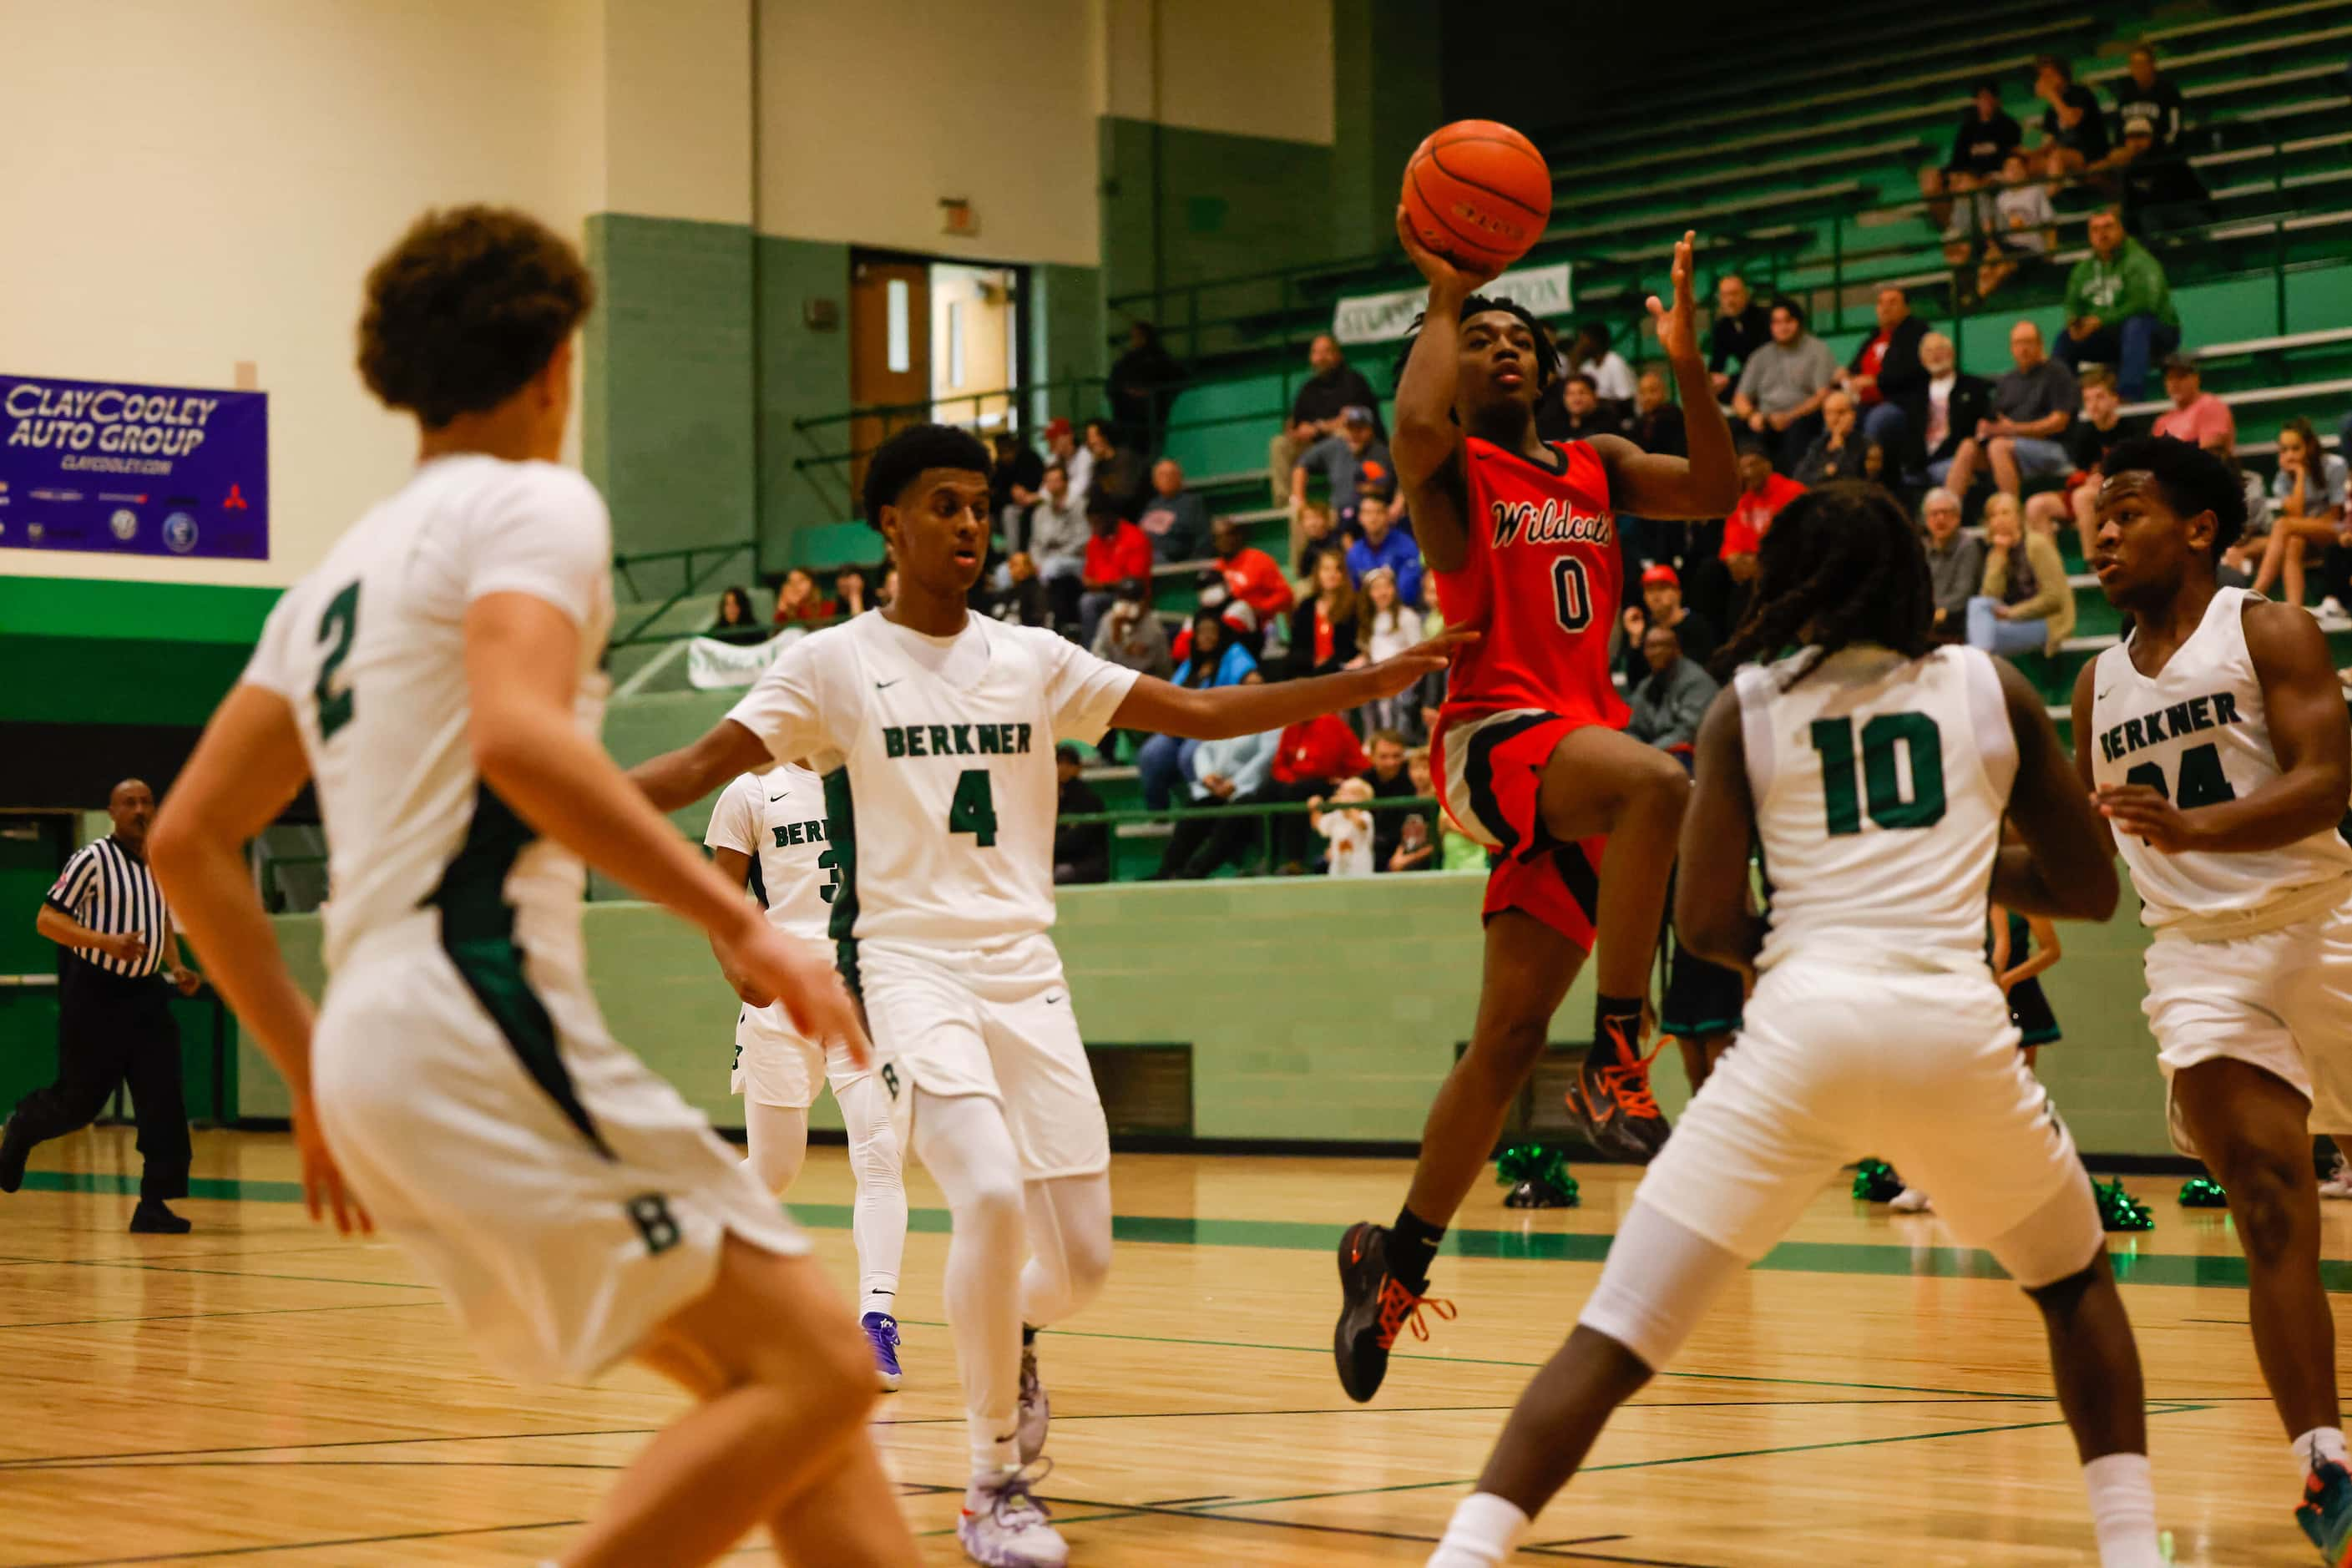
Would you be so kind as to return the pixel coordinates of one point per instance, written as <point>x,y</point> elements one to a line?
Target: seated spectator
<point>1762,492</point>
<point>1314,412</point>
<point>1386,625</point>
<point>1019,596</point>
<point>1572,410</point>
<point>1233,772</point>
<point>1350,462</point>
<point>1985,135</point>
<point>1015,484</point>
<point>1212,659</point>
<point>1349,829</point>
<point>1781,388</point>
<point>2306,509</point>
<point>1719,589</point>
<point>2196,416</point>
<point>1612,378</point>
<point>798,602</point>
<point>849,592</point>
<point>1142,383</point>
<point>1132,635</point>
<point>2118,307</point>
<point>2146,94</point>
<point>1672,699</point>
<point>1323,624</point>
<point>1311,533</point>
<point>1456,850</point>
<point>1955,403</point>
<point>1955,564</point>
<point>1251,575</point>
<point>1381,544</point>
<point>1176,519</point>
<point>1661,605</point>
<point>1118,470</point>
<point>1741,326</point>
<point>2022,227</point>
<point>1059,539</point>
<point>1885,378</point>
<point>737,621</point>
<point>1062,447</point>
<point>2022,436</point>
<point>2087,441</point>
<point>1874,467</point>
<point>1657,424</point>
<point>1314,754</point>
<point>1388,780</point>
<point>1115,551</point>
<point>1081,849</point>
<point>2025,604</point>
<point>1836,452</point>
<point>2158,190</point>
<point>2073,133</point>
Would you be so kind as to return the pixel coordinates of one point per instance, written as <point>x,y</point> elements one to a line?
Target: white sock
<point>2319,1443</point>
<point>1484,1530</point>
<point>2123,1510</point>
<point>880,1298</point>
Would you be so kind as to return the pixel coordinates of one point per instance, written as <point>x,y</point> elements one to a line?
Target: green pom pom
<point>1875,1182</point>
<point>1519,1162</point>
<point>2202,1192</point>
<point>1538,1177</point>
<point>2118,1210</point>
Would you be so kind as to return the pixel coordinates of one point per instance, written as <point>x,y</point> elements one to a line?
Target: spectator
<point>1118,470</point>
<point>1062,447</point>
<point>1388,780</point>
<point>1657,424</point>
<point>1015,484</point>
<point>1311,537</point>
<point>2146,93</point>
<point>1955,403</point>
<point>2118,307</point>
<point>849,592</point>
<point>1668,704</point>
<point>1874,466</point>
<point>1115,551</point>
<point>1335,386</point>
<point>2155,186</point>
<point>1661,605</point>
<point>738,621</point>
<point>1351,461</point>
<point>2021,435</point>
<point>1386,625</point>
<point>889,588</point>
<point>1323,624</point>
<point>1252,576</point>
<point>2087,440</point>
<point>1573,411</point>
<point>1382,545</point>
<point>2025,604</point>
<point>1955,564</point>
<point>1762,492</point>
<point>1130,635</point>
<point>1985,136</point>
<point>798,602</point>
<point>1885,379</point>
<point>1456,850</point>
<point>1836,452</point>
<point>1348,829</point>
<point>2023,227</point>
<point>1228,772</point>
<point>1783,383</point>
<point>2196,416</point>
<point>1314,754</point>
<point>1081,849</point>
<point>1723,596</point>
<point>2307,497</point>
<point>1741,326</point>
<point>1176,519</point>
<point>1020,597</point>
<point>1060,541</point>
<point>1612,378</point>
<point>1214,661</point>
<point>2073,133</point>
<point>1142,383</point>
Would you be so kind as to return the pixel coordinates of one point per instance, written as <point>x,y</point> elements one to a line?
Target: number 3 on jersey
<point>1572,594</point>
<point>972,808</point>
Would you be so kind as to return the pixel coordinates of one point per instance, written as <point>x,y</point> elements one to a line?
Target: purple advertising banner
<point>133,470</point>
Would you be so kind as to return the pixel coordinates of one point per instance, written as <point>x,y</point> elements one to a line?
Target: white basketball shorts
<point>776,1065</point>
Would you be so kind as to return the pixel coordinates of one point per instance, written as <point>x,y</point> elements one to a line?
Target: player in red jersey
<point>1529,753</point>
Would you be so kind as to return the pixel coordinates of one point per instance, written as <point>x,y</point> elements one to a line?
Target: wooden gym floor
<point>262,1391</point>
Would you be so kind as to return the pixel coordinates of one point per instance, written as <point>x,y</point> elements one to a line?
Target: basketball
<point>1479,192</point>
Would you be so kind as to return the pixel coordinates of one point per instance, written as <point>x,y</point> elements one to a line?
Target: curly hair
<point>907,454</point>
<point>466,309</point>
<point>1841,566</point>
<point>2191,479</point>
<point>1547,352</point>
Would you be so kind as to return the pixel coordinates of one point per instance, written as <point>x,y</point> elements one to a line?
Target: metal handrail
<point>693,581</point>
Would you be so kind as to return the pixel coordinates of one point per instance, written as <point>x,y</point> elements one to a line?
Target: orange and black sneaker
<point>1375,1309</point>
<point>1610,1099</point>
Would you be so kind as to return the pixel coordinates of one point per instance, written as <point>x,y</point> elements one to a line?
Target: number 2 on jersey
<point>972,808</point>
<point>1920,739</point>
<point>338,622</point>
<point>1572,594</point>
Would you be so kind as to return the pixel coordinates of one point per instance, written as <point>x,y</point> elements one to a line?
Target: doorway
<point>931,340</point>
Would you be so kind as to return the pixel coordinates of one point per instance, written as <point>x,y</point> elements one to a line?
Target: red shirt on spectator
<point>810,609</point>
<point>1321,748</point>
<point>1124,553</point>
<point>1752,514</point>
<point>1252,576</point>
<point>1873,353</point>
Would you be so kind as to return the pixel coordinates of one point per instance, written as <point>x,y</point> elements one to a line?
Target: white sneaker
<point>1910,1200</point>
<point>2338,1184</point>
<point>1036,1411</point>
<point>1005,1526</point>
<point>2329,609</point>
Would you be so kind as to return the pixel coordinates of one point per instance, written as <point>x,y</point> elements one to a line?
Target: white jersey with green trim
<point>369,649</point>
<point>778,819</point>
<point>938,760</point>
<point>1879,783</point>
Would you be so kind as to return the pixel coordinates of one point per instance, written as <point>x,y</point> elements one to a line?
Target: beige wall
<point>193,186</point>
<point>678,108</point>
<point>1247,67</point>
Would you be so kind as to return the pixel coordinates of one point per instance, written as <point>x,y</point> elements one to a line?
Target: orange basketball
<point>1477,192</point>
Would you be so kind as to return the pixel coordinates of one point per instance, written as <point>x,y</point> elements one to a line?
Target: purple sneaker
<point>882,1332</point>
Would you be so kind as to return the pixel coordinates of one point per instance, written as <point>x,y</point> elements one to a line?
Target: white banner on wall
<point>712,663</point>
<point>1384,318</point>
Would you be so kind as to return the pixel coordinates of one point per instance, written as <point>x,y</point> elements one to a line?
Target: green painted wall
<point>79,650</point>
<point>1068,337</point>
<point>1387,95</point>
<point>803,374</point>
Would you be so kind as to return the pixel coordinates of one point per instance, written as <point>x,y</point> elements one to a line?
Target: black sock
<point>1413,1248</point>
<point>1626,1010</point>
<point>1028,1336</point>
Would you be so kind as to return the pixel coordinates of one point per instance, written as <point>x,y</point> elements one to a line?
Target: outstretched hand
<point>2142,812</point>
<point>1442,271</point>
<point>1678,326</point>
<point>1399,672</point>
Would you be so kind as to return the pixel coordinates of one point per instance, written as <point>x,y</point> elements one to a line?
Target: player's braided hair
<point>1841,565</point>
<point>1547,365</point>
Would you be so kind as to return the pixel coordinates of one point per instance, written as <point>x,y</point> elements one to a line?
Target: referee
<point>114,1018</point>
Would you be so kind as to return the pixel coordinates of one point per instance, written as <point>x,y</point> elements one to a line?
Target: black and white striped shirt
<point>109,889</point>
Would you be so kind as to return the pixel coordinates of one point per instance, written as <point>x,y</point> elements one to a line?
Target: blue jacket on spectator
<point>1247,760</point>
<point>1398,553</point>
<point>1232,665</point>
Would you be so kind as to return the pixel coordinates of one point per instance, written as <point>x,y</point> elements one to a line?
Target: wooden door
<point>889,353</point>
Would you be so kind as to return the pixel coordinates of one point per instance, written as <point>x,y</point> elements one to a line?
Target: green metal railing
<point>691,580</point>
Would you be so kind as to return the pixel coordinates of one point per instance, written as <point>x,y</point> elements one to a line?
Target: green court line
<point>1883,1259</point>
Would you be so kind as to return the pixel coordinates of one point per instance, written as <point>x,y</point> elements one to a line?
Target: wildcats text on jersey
<point>2168,722</point>
<point>1554,522</point>
<point>956,739</point>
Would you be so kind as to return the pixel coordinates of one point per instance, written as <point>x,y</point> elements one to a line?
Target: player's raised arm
<point>1715,903</point>
<point>1426,439</point>
<point>2066,867</point>
<point>1217,713</point>
<point>1651,484</point>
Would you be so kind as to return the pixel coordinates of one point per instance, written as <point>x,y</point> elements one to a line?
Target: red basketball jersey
<point>1542,586</point>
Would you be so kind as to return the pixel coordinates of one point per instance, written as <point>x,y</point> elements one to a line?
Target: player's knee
<point>1085,1262</point>
<point>1660,784</point>
<point>2264,1195</point>
<point>992,1205</point>
<point>2061,1297</point>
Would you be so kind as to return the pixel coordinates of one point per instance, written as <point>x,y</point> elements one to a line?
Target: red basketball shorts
<point>1489,768</point>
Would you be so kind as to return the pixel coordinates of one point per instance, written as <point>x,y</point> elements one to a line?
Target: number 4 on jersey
<point>973,809</point>
<point>2202,782</point>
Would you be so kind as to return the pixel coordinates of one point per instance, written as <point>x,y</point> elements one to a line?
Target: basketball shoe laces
<point>1628,1082</point>
<point>1400,1308</point>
